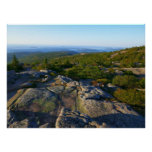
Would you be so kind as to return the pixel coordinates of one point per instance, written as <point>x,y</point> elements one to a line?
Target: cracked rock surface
<point>62,102</point>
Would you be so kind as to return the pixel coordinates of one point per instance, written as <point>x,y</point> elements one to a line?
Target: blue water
<point>78,49</point>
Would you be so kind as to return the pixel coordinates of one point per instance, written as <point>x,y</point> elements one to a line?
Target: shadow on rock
<point>122,120</point>
<point>28,119</point>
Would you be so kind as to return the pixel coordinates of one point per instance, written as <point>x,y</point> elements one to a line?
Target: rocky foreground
<point>40,100</point>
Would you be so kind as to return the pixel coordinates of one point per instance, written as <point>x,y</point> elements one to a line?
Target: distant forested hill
<point>130,57</point>
<point>126,58</point>
<point>37,57</point>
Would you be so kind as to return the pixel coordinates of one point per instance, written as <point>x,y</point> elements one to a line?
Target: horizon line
<point>57,45</point>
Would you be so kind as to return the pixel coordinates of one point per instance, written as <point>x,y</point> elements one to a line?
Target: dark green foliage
<point>141,83</point>
<point>132,57</point>
<point>125,81</point>
<point>132,97</point>
<point>61,61</point>
<point>15,61</point>
<point>18,55</point>
<point>15,65</point>
<point>38,57</point>
<point>84,65</point>
<point>45,63</point>
<point>125,72</point>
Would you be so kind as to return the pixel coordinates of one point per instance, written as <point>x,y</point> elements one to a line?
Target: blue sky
<point>77,35</point>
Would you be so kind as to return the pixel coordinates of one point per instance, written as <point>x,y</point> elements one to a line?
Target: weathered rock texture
<point>63,103</point>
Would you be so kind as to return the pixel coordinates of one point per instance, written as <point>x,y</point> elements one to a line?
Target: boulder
<point>47,71</point>
<point>27,85</point>
<point>38,75</point>
<point>114,114</point>
<point>83,105</point>
<point>35,99</point>
<point>72,84</point>
<point>91,92</point>
<point>62,79</point>
<point>46,78</point>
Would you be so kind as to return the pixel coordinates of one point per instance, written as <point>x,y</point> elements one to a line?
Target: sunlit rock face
<point>62,102</point>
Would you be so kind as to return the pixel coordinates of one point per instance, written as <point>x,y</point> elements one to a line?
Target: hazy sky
<point>77,35</point>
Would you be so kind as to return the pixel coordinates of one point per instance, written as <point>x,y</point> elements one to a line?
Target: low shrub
<point>132,97</point>
<point>125,81</point>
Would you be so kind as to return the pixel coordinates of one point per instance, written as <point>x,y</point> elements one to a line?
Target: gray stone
<point>56,89</point>
<point>45,71</point>
<point>26,85</point>
<point>91,92</point>
<point>34,96</point>
<point>114,114</point>
<point>112,87</point>
<point>46,78</point>
<point>69,89</point>
<point>26,123</point>
<point>11,118</point>
<point>20,124</point>
<point>73,119</point>
<point>63,79</point>
<point>39,107</point>
<point>72,84</point>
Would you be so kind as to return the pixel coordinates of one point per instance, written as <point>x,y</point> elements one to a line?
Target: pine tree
<point>15,61</point>
<point>45,63</point>
<point>15,65</point>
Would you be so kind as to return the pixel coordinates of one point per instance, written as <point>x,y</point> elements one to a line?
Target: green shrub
<point>141,83</point>
<point>126,81</point>
<point>132,97</point>
<point>127,72</point>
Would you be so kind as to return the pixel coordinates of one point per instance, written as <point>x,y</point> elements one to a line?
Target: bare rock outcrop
<point>64,103</point>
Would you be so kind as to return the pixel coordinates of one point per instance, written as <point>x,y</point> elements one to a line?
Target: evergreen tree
<point>15,65</point>
<point>45,63</point>
<point>15,61</point>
